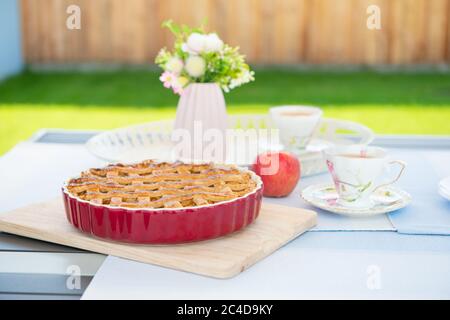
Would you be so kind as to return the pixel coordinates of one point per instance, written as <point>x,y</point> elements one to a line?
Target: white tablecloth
<point>316,265</point>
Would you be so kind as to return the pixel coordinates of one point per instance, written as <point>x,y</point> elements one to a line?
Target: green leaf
<point>174,28</point>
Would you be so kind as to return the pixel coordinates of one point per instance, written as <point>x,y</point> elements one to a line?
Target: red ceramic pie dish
<point>165,225</point>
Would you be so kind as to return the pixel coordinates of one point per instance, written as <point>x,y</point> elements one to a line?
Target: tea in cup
<point>357,171</point>
<point>296,124</point>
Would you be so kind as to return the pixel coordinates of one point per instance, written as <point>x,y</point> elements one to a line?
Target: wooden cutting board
<point>221,258</point>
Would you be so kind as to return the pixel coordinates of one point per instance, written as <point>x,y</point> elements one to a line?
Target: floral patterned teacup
<point>296,124</point>
<point>358,171</point>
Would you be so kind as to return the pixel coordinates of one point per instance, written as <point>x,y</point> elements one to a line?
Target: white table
<point>31,269</point>
<point>318,264</point>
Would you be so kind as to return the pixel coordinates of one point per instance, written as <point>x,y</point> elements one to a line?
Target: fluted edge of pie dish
<point>164,225</point>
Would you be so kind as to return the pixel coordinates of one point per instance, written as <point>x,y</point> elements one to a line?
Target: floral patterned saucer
<point>386,199</point>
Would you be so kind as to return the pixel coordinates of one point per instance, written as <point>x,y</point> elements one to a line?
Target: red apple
<point>279,171</point>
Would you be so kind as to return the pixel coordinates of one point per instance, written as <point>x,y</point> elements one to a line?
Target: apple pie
<point>151,184</point>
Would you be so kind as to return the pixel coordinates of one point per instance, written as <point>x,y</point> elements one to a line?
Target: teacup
<point>357,171</point>
<point>296,124</point>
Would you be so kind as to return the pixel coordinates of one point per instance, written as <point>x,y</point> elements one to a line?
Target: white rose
<point>174,65</point>
<point>195,66</point>
<point>186,48</point>
<point>213,43</point>
<point>195,43</point>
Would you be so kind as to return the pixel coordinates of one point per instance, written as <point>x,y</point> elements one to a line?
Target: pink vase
<point>201,107</point>
<point>204,103</point>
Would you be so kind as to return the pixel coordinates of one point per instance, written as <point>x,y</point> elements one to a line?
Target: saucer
<point>386,199</point>
<point>444,188</point>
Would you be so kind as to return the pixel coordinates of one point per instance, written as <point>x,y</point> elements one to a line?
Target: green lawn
<point>409,103</point>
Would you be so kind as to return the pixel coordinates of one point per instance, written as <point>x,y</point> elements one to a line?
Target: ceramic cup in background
<point>357,172</point>
<point>296,124</point>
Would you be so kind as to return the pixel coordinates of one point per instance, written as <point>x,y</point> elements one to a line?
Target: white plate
<point>444,188</point>
<point>153,141</point>
<point>385,200</point>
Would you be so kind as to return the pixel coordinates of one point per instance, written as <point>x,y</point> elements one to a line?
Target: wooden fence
<point>268,31</point>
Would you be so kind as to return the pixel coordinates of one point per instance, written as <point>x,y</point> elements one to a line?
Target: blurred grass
<point>404,103</point>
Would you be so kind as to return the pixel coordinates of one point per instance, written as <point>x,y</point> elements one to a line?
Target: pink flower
<point>177,90</point>
<point>331,202</point>
<point>331,169</point>
<point>177,86</point>
<point>167,78</point>
<point>336,181</point>
<point>171,80</point>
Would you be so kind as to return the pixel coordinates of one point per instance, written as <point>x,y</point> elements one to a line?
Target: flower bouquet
<point>199,57</point>
<point>199,68</point>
